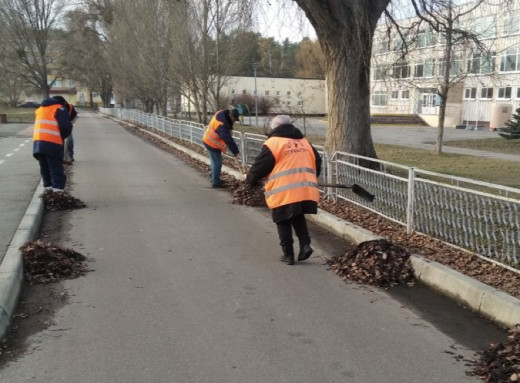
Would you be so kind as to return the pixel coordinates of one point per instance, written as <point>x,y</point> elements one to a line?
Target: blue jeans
<point>51,170</point>
<point>216,166</point>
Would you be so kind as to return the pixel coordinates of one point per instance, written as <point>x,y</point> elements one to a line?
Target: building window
<point>277,92</point>
<point>425,38</point>
<point>512,23</point>
<point>470,93</point>
<point>405,94</point>
<point>288,103</point>
<point>289,94</point>
<point>518,92</point>
<point>480,63</point>
<point>380,98</point>
<point>510,60</point>
<point>455,67</point>
<point>484,27</point>
<point>398,43</point>
<point>267,93</point>
<point>300,103</point>
<point>504,92</point>
<point>401,71</point>
<point>418,70</point>
<point>486,93</point>
<point>233,91</point>
<point>395,95</point>
<point>379,72</point>
<point>244,91</point>
<point>57,83</point>
<point>423,68</point>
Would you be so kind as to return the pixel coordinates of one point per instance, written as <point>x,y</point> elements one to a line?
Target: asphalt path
<point>19,176</point>
<point>187,287</point>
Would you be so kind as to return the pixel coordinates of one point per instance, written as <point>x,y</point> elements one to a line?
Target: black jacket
<point>264,165</point>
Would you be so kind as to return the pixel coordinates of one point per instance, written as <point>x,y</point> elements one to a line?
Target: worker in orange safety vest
<point>290,166</point>
<point>51,126</point>
<point>217,139</point>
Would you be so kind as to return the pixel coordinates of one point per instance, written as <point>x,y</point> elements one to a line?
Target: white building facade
<point>286,95</point>
<point>489,87</point>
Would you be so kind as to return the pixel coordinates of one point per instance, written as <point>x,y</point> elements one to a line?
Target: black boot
<point>305,252</point>
<point>288,255</point>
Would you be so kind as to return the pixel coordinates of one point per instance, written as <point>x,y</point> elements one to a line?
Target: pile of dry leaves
<point>47,263</point>
<point>247,195</point>
<point>54,201</point>
<point>501,362</point>
<point>377,263</point>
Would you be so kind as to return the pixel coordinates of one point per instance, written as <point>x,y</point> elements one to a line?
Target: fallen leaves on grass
<point>47,263</point>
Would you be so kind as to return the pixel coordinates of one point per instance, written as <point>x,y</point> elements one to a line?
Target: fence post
<point>411,202</point>
<point>243,149</point>
<point>327,160</point>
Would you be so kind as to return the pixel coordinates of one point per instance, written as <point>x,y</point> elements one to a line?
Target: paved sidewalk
<point>492,303</point>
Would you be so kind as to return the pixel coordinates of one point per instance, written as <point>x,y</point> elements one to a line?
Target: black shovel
<point>356,189</point>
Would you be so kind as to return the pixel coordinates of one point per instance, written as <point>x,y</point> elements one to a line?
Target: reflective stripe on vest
<point>293,178</point>
<point>46,126</point>
<point>211,137</point>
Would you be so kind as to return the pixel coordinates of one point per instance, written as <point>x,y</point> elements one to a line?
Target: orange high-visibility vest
<point>46,126</point>
<point>293,178</point>
<point>211,137</point>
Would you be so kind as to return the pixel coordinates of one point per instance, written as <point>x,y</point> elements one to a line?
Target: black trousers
<point>300,228</point>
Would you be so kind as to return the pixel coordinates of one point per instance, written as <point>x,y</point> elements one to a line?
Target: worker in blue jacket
<point>52,126</point>
<point>217,139</point>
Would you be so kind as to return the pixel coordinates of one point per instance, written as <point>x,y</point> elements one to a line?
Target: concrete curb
<point>481,298</point>
<point>11,268</point>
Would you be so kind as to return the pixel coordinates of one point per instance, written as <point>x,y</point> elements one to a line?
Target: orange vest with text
<point>293,178</point>
<point>211,137</point>
<point>46,126</point>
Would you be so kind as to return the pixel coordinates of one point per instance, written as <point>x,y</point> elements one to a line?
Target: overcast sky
<point>282,19</point>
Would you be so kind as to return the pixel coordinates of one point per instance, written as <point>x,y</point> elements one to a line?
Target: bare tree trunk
<point>345,30</point>
<point>445,84</point>
<point>349,114</point>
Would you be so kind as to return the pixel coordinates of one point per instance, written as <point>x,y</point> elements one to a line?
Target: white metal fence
<point>477,216</point>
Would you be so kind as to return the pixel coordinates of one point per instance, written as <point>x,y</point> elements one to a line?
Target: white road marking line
<point>27,140</point>
<point>22,145</point>
<point>9,154</point>
<point>16,150</point>
<point>2,161</point>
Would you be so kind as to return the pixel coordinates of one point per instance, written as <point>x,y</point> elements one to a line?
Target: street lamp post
<point>255,67</point>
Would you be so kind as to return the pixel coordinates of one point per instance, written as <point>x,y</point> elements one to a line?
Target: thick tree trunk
<point>345,29</point>
<point>349,113</point>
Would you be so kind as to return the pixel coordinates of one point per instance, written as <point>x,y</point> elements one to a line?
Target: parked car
<point>29,104</point>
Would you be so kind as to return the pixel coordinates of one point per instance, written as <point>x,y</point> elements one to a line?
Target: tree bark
<point>345,29</point>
